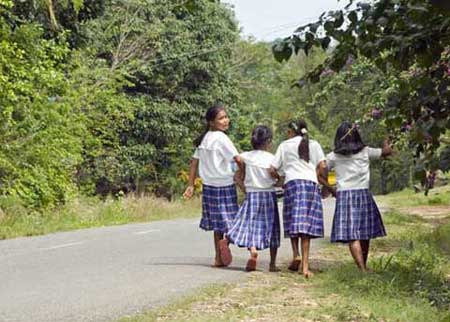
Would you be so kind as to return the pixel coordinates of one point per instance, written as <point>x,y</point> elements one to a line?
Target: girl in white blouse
<point>257,224</point>
<point>213,156</point>
<point>301,159</point>
<point>356,218</point>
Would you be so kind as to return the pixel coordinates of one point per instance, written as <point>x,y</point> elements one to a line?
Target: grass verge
<point>16,221</point>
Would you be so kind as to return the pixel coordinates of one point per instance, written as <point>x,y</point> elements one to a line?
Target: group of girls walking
<point>300,167</point>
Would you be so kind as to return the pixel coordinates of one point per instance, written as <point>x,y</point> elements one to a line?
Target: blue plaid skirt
<point>356,217</point>
<point>257,223</point>
<point>219,208</point>
<point>302,209</point>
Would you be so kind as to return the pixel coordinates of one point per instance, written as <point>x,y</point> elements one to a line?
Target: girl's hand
<point>333,191</point>
<point>189,192</point>
<point>274,173</point>
<point>387,149</point>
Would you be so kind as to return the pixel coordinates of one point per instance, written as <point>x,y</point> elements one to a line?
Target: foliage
<point>266,95</point>
<point>58,16</point>
<point>87,212</point>
<point>109,100</point>
<point>169,63</point>
<point>406,39</point>
<point>40,143</point>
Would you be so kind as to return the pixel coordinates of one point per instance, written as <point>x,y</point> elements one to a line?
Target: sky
<point>269,19</point>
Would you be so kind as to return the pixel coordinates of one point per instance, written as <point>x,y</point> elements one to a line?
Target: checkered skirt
<point>257,223</point>
<point>219,208</point>
<point>356,217</point>
<point>302,209</point>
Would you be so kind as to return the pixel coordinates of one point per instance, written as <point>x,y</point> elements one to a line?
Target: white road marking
<point>62,246</point>
<point>146,232</point>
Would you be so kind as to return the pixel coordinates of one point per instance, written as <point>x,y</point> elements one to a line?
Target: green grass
<point>395,217</point>
<point>439,196</point>
<point>16,221</point>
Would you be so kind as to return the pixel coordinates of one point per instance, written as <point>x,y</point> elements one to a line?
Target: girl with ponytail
<point>257,224</point>
<point>300,159</point>
<point>214,153</point>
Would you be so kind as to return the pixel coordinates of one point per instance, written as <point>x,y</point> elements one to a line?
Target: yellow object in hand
<point>332,178</point>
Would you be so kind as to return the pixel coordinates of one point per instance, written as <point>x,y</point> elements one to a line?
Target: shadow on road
<point>197,261</point>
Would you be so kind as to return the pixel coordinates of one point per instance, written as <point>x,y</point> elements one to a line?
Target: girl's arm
<point>280,181</point>
<point>274,173</point>
<point>189,192</point>
<point>239,176</point>
<point>322,177</point>
<point>386,150</point>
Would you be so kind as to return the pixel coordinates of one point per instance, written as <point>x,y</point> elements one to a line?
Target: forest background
<point>101,99</point>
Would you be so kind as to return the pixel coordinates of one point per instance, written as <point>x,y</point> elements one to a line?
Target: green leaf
<point>329,26</point>
<point>339,19</point>
<point>282,51</point>
<point>353,17</point>
<point>324,42</point>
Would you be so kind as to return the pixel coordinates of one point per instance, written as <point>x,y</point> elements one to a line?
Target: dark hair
<point>303,147</point>
<point>347,140</point>
<point>261,136</point>
<point>210,115</point>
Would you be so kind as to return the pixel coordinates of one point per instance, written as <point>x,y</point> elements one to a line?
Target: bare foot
<point>307,274</point>
<point>218,263</point>
<point>273,268</point>
<point>225,252</point>
<point>251,263</point>
<point>295,264</point>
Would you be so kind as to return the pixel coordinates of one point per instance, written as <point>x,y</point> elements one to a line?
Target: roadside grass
<point>410,282</point>
<point>407,198</point>
<point>16,221</point>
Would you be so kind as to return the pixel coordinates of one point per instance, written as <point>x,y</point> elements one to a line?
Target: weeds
<point>16,220</point>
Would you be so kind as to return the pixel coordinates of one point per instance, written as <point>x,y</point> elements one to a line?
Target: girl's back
<point>352,171</point>
<point>257,165</point>
<point>295,168</point>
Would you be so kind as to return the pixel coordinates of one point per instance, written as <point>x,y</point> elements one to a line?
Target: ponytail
<point>303,147</point>
<point>300,128</point>
<point>210,115</point>
<point>199,139</point>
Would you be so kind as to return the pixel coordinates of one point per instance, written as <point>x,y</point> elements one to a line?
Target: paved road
<point>106,273</point>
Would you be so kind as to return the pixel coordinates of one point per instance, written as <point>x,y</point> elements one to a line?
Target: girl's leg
<point>365,244</point>
<point>295,264</point>
<point>305,257</point>
<point>217,237</point>
<point>357,253</point>
<point>273,260</point>
<point>294,244</point>
<point>251,263</point>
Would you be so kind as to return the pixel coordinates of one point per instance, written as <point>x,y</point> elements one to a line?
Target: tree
<point>59,16</point>
<point>165,63</point>
<point>40,142</point>
<point>408,41</point>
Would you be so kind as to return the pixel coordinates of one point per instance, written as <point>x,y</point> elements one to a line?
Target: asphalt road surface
<point>106,273</point>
